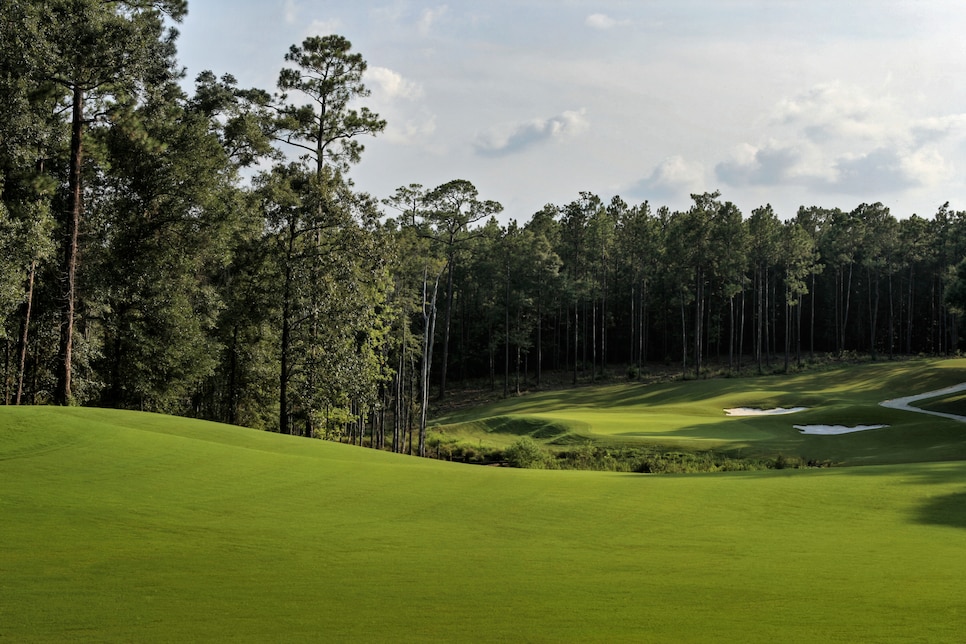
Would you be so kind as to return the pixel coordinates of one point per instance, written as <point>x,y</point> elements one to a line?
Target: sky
<point>830,103</point>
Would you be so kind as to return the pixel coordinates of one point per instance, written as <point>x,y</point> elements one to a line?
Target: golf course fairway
<point>692,415</point>
<point>126,526</point>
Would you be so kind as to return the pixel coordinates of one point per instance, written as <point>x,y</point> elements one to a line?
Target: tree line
<point>206,253</point>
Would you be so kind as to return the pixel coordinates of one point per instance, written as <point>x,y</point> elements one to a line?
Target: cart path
<point>905,403</point>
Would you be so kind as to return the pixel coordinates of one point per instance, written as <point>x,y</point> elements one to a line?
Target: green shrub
<point>526,453</point>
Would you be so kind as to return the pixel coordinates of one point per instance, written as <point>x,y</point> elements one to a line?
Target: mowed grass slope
<point>690,415</point>
<point>122,526</point>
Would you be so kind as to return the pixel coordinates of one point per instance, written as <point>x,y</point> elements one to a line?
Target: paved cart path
<point>905,403</point>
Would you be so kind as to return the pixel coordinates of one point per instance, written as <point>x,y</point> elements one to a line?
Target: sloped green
<point>123,526</point>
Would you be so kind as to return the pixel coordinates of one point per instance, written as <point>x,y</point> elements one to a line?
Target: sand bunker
<point>751,411</point>
<point>832,430</point>
<point>904,404</point>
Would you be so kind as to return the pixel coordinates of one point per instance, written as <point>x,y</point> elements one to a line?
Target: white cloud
<point>603,21</point>
<point>939,128</point>
<point>415,129</point>
<point>324,27</point>
<point>391,85</point>
<point>419,129</point>
<point>289,12</point>
<point>845,139</point>
<point>396,99</point>
<point>429,18</point>
<point>831,111</point>
<point>674,178</point>
<point>516,137</point>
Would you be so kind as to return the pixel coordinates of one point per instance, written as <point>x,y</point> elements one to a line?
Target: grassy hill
<point>124,526</point>
<point>690,415</point>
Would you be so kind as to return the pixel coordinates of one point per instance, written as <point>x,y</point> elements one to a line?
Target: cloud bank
<point>513,138</point>
<point>839,139</point>
<point>674,177</point>
<point>603,22</point>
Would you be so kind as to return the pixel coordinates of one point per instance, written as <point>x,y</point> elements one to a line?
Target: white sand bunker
<point>751,411</point>
<point>832,430</point>
<point>904,404</point>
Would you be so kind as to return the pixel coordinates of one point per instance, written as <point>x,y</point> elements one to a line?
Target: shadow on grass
<point>947,510</point>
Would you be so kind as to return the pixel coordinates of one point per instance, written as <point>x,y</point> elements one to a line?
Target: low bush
<point>526,453</point>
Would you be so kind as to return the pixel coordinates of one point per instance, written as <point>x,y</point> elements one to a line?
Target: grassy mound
<point>690,415</point>
<point>121,526</point>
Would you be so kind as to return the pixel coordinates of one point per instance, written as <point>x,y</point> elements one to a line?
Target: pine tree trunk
<point>909,316</point>
<point>848,301</point>
<point>787,329</point>
<point>284,424</point>
<point>63,393</point>
<point>731,333</point>
<point>22,348</point>
<point>684,340</point>
<point>539,345</point>
<point>741,330</point>
<point>593,340</point>
<point>506,335</point>
<point>873,311</point>
<point>811,333</point>
<point>698,319</point>
<point>449,315</point>
<point>576,338</point>
<point>892,322</point>
<point>645,327</point>
<point>429,333</point>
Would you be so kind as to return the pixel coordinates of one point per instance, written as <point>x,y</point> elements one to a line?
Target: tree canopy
<point>207,253</point>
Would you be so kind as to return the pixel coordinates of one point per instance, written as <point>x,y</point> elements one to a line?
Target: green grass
<point>689,415</point>
<point>122,526</point>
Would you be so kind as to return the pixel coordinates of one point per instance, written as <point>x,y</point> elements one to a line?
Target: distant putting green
<point>691,415</point>
<point>123,526</point>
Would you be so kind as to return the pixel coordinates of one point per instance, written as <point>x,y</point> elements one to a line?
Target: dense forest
<point>206,253</point>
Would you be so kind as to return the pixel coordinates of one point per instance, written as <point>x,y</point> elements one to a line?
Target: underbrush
<point>655,460</point>
<point>528,454</point>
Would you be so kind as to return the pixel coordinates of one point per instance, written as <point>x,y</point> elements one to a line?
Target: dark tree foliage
<point>142,266</point>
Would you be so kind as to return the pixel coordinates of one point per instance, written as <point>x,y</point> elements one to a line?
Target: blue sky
<point>819,102</point>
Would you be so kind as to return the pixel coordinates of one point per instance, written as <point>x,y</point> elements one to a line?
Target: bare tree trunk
<point>576,334</point>
<point>811,333</point>
<point>644,334</point>
<point>593,340</point>
<point>449,315</point>
<point>684,340</point>
<point>232,415</point>
<point>284,424</point>
<point>506,334</point>
<point>769,333</point>
<point>539,344</point>
<point>429,333</point>
<point>788,315</point>
<point>398,407</point>
<point>892,321</point>
<point>798,334</point>
<point>22,357</point>
<point>603,321</point>
<point>848,300</point>
<point>873,310</point>
<point>698,319</point>
<point>759,323</point>
<point>731,333</point>
<point>63,393</point>
<point>909,316</point>
<point>741,331</point>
